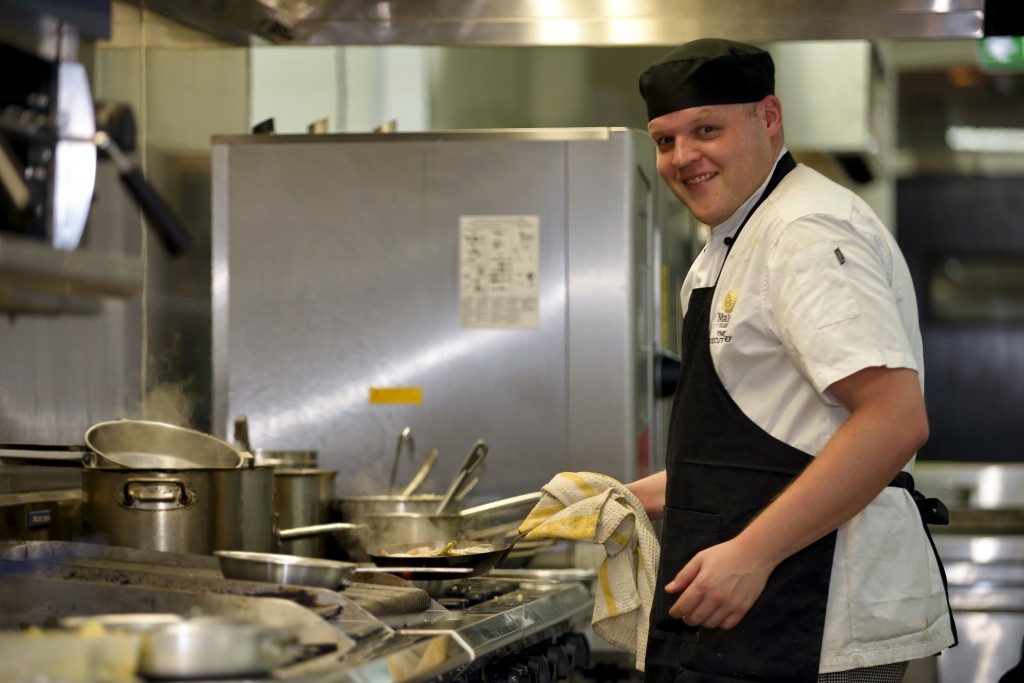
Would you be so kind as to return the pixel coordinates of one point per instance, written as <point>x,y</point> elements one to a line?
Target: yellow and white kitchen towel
<point>594,508</point>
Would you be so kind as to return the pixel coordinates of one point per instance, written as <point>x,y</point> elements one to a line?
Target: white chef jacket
<point>815,289</point>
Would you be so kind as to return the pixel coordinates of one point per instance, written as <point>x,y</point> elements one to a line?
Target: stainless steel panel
<point>980,549</point>
<point>990,645</point>
<point>577,22</point>
<point>972,485</point>
<point>336,271</point>
<point>986,592</point>
<point>342,276</point>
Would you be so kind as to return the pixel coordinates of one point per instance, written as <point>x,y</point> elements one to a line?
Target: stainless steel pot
<point>288,459</point>
<point>302,498</point>
<point>192,511</point>
<point>198,511</point>
<point>258,516</point>
<point>497,520</point>
<point>357,508</point>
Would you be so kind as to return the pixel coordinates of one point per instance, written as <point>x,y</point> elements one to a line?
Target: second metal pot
<point>302,498</point>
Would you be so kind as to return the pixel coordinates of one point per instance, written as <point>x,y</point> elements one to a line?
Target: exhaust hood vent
<point>576,22</point>
<point>833,101</point>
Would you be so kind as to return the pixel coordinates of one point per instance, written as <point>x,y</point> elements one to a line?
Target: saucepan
<point>484,522</point>
<point>309,571</point>
<point>355,508</point>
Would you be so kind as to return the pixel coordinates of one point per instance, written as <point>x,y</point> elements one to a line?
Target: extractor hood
<point>596,23</point>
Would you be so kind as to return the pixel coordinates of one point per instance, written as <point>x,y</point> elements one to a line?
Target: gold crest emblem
<point>729,301</point>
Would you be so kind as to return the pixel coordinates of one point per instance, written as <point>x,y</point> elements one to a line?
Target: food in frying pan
<point>448,549</point>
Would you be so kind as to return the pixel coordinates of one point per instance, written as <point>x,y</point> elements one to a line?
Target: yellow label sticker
<point>396,395</point>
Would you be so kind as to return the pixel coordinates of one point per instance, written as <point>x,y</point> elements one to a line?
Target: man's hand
<point>887,424</point>
<point>719,585</point>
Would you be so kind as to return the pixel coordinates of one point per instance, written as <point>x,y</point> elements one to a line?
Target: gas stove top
<point>383,629</point>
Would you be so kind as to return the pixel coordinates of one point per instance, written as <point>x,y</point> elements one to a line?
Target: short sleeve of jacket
<point>834,291</point>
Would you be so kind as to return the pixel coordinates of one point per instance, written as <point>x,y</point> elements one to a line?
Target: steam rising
<point>168,403</point>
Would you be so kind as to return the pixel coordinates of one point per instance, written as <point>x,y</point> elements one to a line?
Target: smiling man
<point>792,550</point>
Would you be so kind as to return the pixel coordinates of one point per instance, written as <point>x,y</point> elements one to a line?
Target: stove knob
<point>518,673</point>
<point>577,649</point>
<point>539,669</point>
<point>558,661</point>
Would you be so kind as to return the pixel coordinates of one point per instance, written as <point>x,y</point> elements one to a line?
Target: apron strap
<point>786,164</point>
<point>933,511</point>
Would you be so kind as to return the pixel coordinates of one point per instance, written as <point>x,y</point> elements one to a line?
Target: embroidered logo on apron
<point>729,302</point>
<point>720,332</point>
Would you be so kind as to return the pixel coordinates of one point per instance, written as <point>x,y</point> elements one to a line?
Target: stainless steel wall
<point>61,373</point>
<point>149,355</point>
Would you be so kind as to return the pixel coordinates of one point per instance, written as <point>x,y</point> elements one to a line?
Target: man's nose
<point>684,153</point>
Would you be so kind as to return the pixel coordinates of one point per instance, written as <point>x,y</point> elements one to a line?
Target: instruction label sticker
<point>499,259</point>
<point>412,395</point>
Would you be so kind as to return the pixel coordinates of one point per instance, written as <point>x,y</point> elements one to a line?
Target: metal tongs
<point>473,459</point>
<point>421,474</point>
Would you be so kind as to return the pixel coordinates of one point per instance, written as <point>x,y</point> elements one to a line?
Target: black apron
<point>722,470</point>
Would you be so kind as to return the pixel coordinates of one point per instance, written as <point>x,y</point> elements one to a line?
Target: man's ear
<point>772,114</point>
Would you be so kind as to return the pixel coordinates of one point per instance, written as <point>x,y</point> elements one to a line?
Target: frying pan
<point>310,571</point>
<point>478,562</point>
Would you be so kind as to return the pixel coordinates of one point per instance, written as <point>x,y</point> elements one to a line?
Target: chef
<point>794,548</point>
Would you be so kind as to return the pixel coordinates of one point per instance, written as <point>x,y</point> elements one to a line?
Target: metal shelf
<point>36,278</point>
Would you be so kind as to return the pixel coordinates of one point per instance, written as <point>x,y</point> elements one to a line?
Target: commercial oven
<point>516,286</point>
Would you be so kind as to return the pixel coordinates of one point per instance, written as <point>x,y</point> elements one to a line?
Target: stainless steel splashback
<point>336,275</point>
<point>578,22</point>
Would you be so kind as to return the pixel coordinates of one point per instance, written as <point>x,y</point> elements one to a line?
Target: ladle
<point>404,439</point>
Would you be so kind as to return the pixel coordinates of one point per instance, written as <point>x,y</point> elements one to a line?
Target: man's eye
<point>706,130</point>
<point>663,141</point>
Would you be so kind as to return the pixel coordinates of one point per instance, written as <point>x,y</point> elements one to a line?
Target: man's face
<point>714,157</point>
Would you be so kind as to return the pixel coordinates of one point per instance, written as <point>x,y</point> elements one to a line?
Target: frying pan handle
<point>315,530</point>
<point>503,504</point>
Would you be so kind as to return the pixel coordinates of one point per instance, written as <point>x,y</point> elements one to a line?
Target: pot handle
<point>156,494</point>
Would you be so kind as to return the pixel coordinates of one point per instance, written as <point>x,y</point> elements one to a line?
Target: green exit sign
<point>1001,53</point>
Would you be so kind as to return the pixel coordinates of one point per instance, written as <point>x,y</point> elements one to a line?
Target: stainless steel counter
<point>466,625</point>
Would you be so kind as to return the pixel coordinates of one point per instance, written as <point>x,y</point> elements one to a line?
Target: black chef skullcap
<point>707,71</point>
